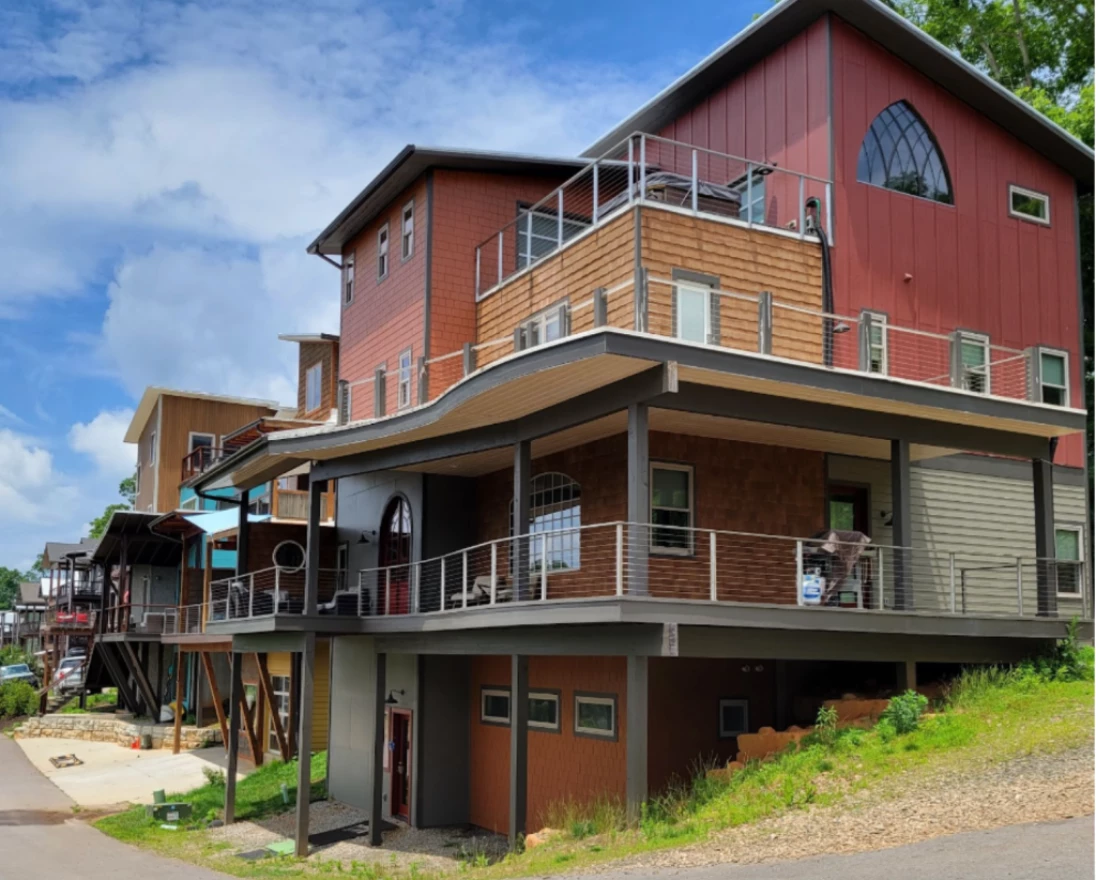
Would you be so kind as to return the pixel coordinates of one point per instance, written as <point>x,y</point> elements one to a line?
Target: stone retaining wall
<point>120,730</point>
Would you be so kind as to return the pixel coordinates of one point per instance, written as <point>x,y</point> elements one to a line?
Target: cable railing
<point>146,618</point>
<point>648,169</point>
<point>830,571</point>
<point>186,621</point>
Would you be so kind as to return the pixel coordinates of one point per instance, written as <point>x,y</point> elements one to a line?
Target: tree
<point>128,490</point>
<point>10,579</point>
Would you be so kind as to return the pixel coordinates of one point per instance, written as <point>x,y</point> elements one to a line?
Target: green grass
<point>989,715</point>
<point>108,697</point>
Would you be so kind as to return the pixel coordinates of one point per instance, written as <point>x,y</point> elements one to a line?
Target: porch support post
<point>639,498</point>
<point>379,745</point>
<point>236,697</point>
<point>519,744</point>
<point>304,741</point>
<point>312,551</point>
<point>635,732</point>
<point>522,475</point>
<point>900,499</point>
<point>906,675</point>
<point>243,529</point>
<point>1042,474</point>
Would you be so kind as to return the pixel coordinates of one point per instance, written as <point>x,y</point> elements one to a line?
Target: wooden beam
<point>249,722</point>
<point>178,702</point>
<point>275,718</point>
<point>207,579</point>
<point>207,664</point>
<point>144,686</point>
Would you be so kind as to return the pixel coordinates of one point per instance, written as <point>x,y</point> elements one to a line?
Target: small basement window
<point>544,710</point>
<point>1027,204</point>
<point>734,717</point>
<point>495,705</point>
<point>596,715</point>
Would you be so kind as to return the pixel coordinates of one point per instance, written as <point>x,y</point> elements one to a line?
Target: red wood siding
<point>972,265</point>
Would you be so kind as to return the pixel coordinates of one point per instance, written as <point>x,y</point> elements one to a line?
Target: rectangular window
<point>260,505</point>
<point>313,387</point>
<point>198,440</point>
<point>152,448</point>
<point>751,193</point>
<point>544,710</point>
<point>191,503</point>
<point>596,715</point>
<point>974,365</point>
<point>495,705</point>
<point>539,234</point>
<point>547,326</point>
<point>348,279</point>
<point>1054,378</point>
<point>692,304</point>
<point>280,693</point>
<point>877,343</point>
<point>403,397</point>
<point>407,231</point>
<point>1027,204</point>
<point>382,253</point>
<point>734,718</point>
<point>1068,542</point>
<point>671,508</point>
<point>137,478</point>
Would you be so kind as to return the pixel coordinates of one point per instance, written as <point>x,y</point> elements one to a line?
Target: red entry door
<point>401,764</point>
<point>395,556</point>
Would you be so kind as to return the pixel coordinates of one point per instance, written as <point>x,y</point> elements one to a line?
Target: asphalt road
<point>1046,851</point>
<point>40,839</point>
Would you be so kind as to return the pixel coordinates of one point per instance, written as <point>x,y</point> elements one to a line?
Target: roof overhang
<point>131,529</point>
<point>409,164</point>
<point>309,337</point>
<point>896,34</point>
<point>714,382</point>
<point>153,393</point>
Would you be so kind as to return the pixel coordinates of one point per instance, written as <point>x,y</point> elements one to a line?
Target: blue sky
<point>163,166</point>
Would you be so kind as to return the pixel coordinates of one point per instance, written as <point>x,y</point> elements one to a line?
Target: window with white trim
<point>539,233</point>
<point>555,508</point>
<point>403,396</point>
<point>280,692</point>
<point>1054,377</point>
<point>407,231</point>
<point>546,326</point>
<point>1028,204</point>
<point>152,448</point>
<point>877,343</point>
<point>692,311</point>
<point>1069,555</point>
<point>348,279</point>
<point>382,253</point>
<point>544,710</point>
<point>734,717</point>
<point>200,440</point>
<point>671,508</point>
<point>313,387</point>
<point>974,362</point>
<point>751,193</point>
<point>495,705</point>
<point>190,503</point>
<point>596,715</point>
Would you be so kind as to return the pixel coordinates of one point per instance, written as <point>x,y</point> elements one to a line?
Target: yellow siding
<point>281,664</point>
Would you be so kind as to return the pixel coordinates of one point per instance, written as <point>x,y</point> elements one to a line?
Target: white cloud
<point>101,440</point>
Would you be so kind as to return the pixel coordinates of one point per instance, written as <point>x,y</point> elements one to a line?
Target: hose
<point>827,282</point>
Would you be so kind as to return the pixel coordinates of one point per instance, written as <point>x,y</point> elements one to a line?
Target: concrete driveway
<point>39,839</point>
<point>112,774</point>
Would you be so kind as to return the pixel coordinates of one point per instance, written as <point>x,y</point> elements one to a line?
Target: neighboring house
<point>598,417</point>
<point>74,599</point>
<point>30,610</point>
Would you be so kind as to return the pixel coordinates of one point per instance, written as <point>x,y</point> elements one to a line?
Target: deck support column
<point>304,741</point>
<point>1046,577</point>
<point>380,694</point>
<point>312,550</point>
<point>178,718</point>
<point>522,483</point>
<point>635,732</point>
<point>243,529</point>
<point>906,675</point>
<point>639,498</point>
<point>901,531</point>
<point>519,744</point>
<point>236,698</point>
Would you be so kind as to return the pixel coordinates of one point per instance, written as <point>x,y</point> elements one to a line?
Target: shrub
<point>17,698</point>
<point>214,777</point>
<point>825,725</point>
<point>10,655</point>
<point>904,711</point>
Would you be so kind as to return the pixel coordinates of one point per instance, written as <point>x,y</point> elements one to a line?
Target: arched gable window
<point>900,153</point>
<point>555,505</point>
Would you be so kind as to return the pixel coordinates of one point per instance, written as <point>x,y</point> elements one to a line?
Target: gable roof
<point>31,594</point>
<point>896,34</point>
<point>154,392</point>
<point>406,167</point>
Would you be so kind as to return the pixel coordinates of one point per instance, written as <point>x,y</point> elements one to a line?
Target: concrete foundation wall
<point>350,751</point>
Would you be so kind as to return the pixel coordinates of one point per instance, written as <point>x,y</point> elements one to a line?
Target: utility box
<point>169,812</point>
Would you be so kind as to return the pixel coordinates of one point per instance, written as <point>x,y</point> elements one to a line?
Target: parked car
<point>69,675</point>
<point>18,672</point>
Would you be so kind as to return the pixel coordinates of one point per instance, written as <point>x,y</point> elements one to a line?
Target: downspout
<point>814,209</point>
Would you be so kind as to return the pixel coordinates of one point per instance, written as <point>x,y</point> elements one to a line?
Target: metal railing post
<point>749,193</point>
<point>643,166</point>
<point>696,200</point>
<point>802,222</point>
<point>601,308</point>
<point>951,579</point>
<point>251,594</point>
<point>543,567</point>
<point>559,217</point>
<point>498,280</point>
<point>713,594</point>
<point>528,239</point>
<point>631,170</point>
<point>468,359</point>
<point>829,213</point>
<point>477,270</point>
<point>494,570</point>
<point>620,559</point>
<point>765,322</point>
<point>361,605</point>
<point>863,335</point>
<point>464,580</point>
<point>798,572</point>
<point>387,592</point>
<point>441,605</point>
<point>595,194</point>
<point>1019,586</point>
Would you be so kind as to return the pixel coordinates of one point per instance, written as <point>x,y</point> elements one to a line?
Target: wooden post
<point>235,700</point>
<point>178,700</point>
<point>304,738</point>
<point>215,692</point>
<point>248,719</point>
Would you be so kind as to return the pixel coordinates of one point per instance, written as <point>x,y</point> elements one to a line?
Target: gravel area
<point>1037,788</point>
